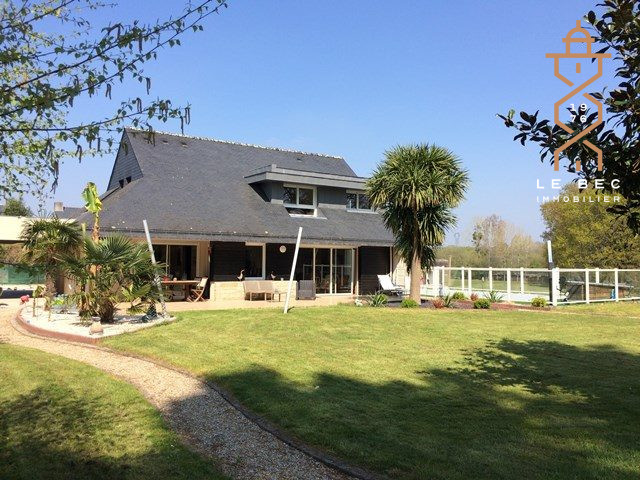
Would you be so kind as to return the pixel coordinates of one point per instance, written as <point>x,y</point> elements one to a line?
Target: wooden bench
<point>260,287</point>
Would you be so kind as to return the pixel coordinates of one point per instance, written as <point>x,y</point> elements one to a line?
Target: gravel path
<point>205,420</point>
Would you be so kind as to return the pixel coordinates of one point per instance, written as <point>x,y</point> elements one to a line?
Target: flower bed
<point>70,326</point>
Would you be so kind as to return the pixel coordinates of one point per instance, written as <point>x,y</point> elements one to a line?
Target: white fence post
<point>470,281</point>
<point>555,286</point>
<point>508,284</point>
<point>462,279</point>
<point>490,278</point>
<point>597,276</point>
<point>616,285</point>
<point>586,285</point>
<point>522,280</point>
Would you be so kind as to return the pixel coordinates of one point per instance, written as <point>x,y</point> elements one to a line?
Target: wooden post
<point>156,278</point>
<point>508,284</point>
<point>522,280</point>
<point>616,285</point>
<point>490,278</point>
<point>293,270</point>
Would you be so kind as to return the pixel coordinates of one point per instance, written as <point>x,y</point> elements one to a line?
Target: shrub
<point>378,299</point>
<point>438,302</point>
<point>408,303</point>
<point>448,301</point>
<point>473,297</point>
<point>482,303</point>
<point>493,296</point>
<point>538,302</point>
<point>459,296</point>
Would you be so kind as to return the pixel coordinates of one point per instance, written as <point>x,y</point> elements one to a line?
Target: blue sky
<point>355,78</point>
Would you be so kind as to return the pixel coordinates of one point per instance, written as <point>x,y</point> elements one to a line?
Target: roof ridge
<point>228,142</point>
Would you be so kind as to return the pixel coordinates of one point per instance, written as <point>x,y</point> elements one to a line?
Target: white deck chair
<point>388,286</point>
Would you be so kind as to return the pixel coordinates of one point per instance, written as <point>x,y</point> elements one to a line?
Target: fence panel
<point>10,275</point>
<point>629,284</point>
<point>524,284</point>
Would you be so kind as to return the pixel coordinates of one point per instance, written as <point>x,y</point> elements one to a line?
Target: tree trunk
<point>50,290</point>
<point>416,276</point>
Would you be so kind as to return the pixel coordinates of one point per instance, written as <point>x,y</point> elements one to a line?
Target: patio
<point>174,307</point>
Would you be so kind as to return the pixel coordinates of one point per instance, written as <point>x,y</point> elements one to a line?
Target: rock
<point>96,328</point>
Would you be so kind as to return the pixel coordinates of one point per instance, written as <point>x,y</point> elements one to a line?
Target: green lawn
<point>610,309</point>
<point>62,419</point>
<point>429,394</point>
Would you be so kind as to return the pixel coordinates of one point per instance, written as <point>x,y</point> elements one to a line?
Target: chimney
<point>58,207</point>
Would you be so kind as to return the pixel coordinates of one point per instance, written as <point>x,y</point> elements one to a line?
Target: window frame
<point>298,205</point>
<point>357,193</point>
<point>264,259</point>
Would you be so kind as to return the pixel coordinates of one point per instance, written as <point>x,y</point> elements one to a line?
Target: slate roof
<point>70,212</point>
<point>194,188</point>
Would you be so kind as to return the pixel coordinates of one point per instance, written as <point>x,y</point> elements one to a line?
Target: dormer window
<point>299,200</point>
<point>358,201</point>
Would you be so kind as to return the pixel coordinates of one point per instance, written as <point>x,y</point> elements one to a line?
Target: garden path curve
<point>198,413</point>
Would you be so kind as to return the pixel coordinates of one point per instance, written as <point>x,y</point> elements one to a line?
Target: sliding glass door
<point>342,270</point>
<point>331,270</point>
<point>323,270</point>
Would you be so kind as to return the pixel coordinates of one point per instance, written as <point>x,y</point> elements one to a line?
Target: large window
<point>253,261</point>
<point>299,200</point>
<point>179,260</point>
<point>330,268</point>
<point>358,201</point>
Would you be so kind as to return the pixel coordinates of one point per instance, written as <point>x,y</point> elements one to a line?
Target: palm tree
<point>45,241</point>
<point>93,204</point>
<point>416,188</point>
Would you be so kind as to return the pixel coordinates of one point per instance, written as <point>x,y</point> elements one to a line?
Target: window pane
<point>364,203</point>
<point>289,195</point>
<point>253,261</point>
<point>300,211</point>
<point>342,260</point>
<point>352,198</point>
<point>323,270</point>
<point>306,196</point>
<point>160,252</point>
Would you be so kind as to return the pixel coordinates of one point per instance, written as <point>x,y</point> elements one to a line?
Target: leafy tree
<point>501,244</point>
<point>117,269</point>
<point>585,235</point>
<point>52,57</point>
<point>45,242</point>
<point>16,208</point>
<point>616,30</point>
<point>490,239</point>
<point>416,188</point>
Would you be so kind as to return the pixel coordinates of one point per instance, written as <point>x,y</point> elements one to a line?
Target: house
<point>228,210</point>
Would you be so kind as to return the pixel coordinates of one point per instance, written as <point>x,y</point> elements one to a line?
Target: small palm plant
<point>125,274</point>
<point>45,242</point>
<point>494,297</point>
<point>416,188</point>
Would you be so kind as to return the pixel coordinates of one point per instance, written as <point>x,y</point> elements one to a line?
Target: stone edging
<point>262,423</point>
<point>43,332</point>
